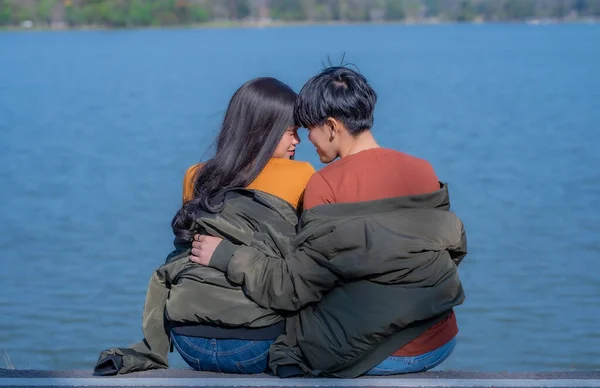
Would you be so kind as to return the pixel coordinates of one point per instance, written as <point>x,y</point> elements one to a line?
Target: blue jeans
<point>398,365</point>
<point>223,355</point>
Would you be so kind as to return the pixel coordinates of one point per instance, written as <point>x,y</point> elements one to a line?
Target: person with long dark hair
<point>258,139</point>
<point>250,184</point>
<point>255,150</point>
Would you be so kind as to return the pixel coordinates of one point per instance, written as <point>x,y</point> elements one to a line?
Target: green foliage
<point>6,13</point>
<point>140,13</point>
<point>520,10</point>
<point>44,10</point>
<point>199,15</point>
<point>394,10</point>
<point>467,12</point>
<point>132,13</point>
<point>287,10</point>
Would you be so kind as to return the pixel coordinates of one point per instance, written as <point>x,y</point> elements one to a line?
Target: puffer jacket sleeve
<point>152,351</point>
<point>284,283</point>
<point>459,252</point>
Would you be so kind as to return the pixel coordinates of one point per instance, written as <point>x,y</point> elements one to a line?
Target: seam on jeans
<point>191,345</point>
<point>251,361</point>
<point>246,346</point>
<point>379,370</point>
<point>443,357</point>
<point>409,360</point>
<point>214,354</point>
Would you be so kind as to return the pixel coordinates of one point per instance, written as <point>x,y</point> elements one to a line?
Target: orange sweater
<point>282,178</point>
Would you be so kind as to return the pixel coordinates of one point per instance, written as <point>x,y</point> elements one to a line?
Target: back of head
<point>258,114</point>
<point>340,93</point>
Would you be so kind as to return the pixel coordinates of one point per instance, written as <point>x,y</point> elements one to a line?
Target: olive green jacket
<point>182,292</point>
<point>396,261</point>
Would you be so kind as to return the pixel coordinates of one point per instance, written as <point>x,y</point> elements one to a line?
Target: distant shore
<point>279,24</point>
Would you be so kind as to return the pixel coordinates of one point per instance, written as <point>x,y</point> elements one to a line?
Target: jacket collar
<point>439,199</point>
<point>280,206</point>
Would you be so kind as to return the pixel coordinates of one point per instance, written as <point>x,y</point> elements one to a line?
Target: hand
<point>203,248</point>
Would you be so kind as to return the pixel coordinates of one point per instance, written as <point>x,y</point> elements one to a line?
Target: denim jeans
<point>223,355</point>
<point>398,365</point>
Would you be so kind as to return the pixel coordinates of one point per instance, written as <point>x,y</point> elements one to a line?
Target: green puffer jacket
<point>396,260</point>
<point>182,292</point>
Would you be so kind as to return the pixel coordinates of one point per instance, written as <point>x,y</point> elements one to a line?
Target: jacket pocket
<point>321,316</point>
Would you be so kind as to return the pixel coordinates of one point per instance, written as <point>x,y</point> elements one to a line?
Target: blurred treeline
<point>135,13</point>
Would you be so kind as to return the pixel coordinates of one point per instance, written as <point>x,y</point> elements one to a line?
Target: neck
<point>355,144</point>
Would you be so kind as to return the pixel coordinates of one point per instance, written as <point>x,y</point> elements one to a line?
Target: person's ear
<point>333,127</point>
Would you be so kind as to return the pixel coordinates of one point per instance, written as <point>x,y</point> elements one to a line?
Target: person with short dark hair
<point>337,107</point>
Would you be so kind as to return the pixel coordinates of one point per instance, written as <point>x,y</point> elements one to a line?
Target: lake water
<point>97,129</point>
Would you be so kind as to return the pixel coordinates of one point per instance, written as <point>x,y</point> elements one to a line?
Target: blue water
<point>97,129</point>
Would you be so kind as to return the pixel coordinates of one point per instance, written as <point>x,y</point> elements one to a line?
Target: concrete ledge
<point>189,378</point>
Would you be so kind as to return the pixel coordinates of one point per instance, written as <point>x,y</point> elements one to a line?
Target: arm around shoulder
<point>285,283</point>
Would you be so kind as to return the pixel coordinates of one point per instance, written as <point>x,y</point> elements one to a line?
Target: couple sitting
<point>364,282</point>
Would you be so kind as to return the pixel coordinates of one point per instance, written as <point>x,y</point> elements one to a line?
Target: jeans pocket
<point>195,352</point>
<point>192,362</point>
<point>257,364</point>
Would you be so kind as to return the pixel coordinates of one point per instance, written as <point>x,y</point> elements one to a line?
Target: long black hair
<point>257,116</point>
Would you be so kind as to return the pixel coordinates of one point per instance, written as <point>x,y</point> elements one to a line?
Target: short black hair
<point>337,92</point>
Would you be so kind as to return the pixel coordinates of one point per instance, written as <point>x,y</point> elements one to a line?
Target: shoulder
<point>304,167</point>
<point>419,170</point>
<point>416,161</point>
<point>318,191</point>
<point>332,170</point>
<point>302,171</point>
<point>188,181</point>
<point>296,167</point>
<point>405,159</point>
<point>406,156</point>
<point>296,164</point>
<point>192,170</point>
<point>317,180</point>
